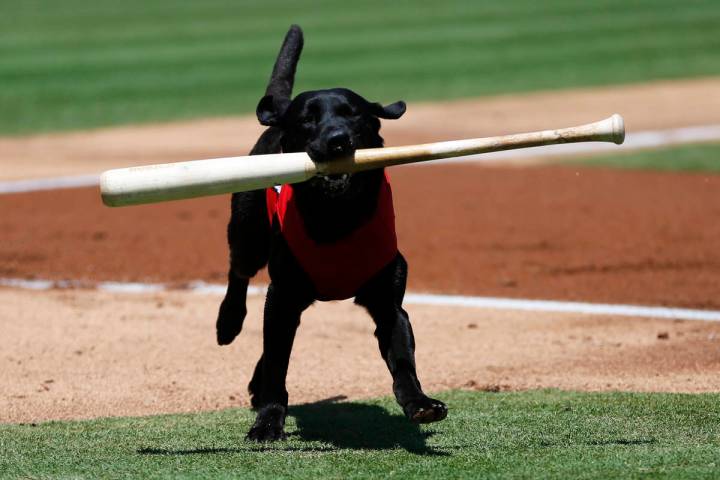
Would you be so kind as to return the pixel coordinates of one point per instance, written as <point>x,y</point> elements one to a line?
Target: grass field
<point>489,435</point>
<point>690,158</point>
<point>82,63</point>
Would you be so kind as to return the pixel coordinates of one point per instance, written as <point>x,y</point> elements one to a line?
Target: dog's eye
<point>307,123</point>
<point>344,110</point>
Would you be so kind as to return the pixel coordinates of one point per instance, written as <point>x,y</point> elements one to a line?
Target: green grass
<point>86,63</point>
<point>541,434</point>
<point>690,158</point>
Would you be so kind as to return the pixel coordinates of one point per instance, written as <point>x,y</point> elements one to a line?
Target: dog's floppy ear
<point>391,112</point>
<point>270,110</point>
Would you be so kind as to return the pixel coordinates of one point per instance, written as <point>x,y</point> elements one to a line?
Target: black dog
<point>327,124</point>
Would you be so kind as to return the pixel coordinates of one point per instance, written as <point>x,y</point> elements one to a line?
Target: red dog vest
<point>339,269</point>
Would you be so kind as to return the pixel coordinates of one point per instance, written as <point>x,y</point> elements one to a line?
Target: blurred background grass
<point>688,158</point>
<point>81,63</point>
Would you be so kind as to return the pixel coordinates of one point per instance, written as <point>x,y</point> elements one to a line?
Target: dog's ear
<point>391,112</point>
<point>270,110</point>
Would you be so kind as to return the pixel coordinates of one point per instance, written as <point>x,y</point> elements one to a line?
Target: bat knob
<point>618,129</point>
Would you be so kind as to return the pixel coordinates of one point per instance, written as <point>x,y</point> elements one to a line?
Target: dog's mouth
<point>333,185</point>
<point>328,156</point>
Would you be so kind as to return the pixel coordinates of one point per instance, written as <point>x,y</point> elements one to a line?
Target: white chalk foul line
<point>495,303</point>
<point>637,140</point>
<point>554,306</point>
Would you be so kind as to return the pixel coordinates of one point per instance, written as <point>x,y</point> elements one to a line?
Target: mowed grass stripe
<point>608,36</point>
<point>546,434</point>
<point>127,81</point>
<point>134,75</point>
<point>689,158</point>
<point>194,13</point>
<point>403,24</point>
<point>136,22</point>
<point>63,66</point>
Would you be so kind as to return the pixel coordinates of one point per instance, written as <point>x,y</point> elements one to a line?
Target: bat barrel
<point>198,178</point>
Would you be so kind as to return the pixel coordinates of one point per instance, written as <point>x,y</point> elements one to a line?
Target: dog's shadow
<point>353,425</point>
<point>341,425</point>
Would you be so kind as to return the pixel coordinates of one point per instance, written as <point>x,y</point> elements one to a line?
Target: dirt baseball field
<point>541,232</point>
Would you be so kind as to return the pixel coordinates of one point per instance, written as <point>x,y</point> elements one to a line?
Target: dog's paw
<point>425,410</point>
<point>269,424</point>
<point>230,321</point>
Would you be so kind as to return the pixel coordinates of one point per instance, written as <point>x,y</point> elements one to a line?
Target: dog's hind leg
<point>382,297</point>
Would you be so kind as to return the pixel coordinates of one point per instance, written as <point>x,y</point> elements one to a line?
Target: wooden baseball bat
<point>175,181</point>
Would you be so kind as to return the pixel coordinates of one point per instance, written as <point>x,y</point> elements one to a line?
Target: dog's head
<point>327,124</point>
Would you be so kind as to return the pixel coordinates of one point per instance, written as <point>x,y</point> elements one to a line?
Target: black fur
<point>327,124</point>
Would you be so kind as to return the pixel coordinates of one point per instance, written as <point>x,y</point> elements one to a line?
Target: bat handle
<point>611,129</point>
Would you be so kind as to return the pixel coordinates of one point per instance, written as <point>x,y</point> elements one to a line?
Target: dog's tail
<point>283,74</point>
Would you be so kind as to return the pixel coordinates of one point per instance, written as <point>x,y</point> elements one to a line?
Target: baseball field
<point>565,302</point>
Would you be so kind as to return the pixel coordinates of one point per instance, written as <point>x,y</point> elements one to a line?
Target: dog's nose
<point>338,143</point>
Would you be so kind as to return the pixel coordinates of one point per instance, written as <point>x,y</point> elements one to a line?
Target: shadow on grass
<point>622,441</point>
<point>607,443</point>
<point>260,447</point>
<point>350,425</point>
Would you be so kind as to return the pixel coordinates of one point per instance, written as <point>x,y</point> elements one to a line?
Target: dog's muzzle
<point>339,144</point>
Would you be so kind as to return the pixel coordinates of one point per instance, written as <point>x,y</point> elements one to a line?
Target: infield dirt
<point>542,232</point>
<point>81,354</point>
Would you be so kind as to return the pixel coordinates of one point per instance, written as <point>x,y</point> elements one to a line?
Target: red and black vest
<point>338,269</point>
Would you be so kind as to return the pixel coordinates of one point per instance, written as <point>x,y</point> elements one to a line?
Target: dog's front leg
<point>383,297</point>
<point>249,240</point>
<point>282,317</point>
